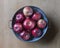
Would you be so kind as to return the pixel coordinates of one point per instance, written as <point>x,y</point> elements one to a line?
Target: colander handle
<point>10,24</point>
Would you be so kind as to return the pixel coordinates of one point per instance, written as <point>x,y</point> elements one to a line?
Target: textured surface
<point>50,7</point>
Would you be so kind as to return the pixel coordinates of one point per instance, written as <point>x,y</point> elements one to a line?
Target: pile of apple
<point>29,24</point>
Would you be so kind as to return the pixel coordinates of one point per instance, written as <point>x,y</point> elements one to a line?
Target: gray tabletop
<point>52,10</point>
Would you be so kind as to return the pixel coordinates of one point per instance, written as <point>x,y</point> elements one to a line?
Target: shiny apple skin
<point>41,23</point>
<point>17,27</point>
<point>25,35</point>
<point>29,24</point>
<point>27,11</point>
<point>19,17</point>
<point>36,16</point>
<point>36,32</point>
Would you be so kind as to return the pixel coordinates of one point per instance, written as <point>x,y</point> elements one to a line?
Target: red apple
<point>27,11</point>
<point>36,32</point>
<point>36,16</point>
<point>25,35</point>
<point>29,24</point>
<point>41,23</point>
<point>17,27</point>
<point>19,17</point>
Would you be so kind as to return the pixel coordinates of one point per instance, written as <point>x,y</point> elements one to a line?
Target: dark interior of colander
<point>35,9</point>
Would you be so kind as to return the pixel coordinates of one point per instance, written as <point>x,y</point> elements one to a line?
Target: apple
<point>17,27</point>
<point>28,24</point>
<point>19,17</point>
<point>36,16</point>
<point>36,32</point>
<point>41,23</point>
<point>27,11</point>
<point>25,35</point>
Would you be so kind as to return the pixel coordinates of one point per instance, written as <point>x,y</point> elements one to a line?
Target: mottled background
<point>52,10</point>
